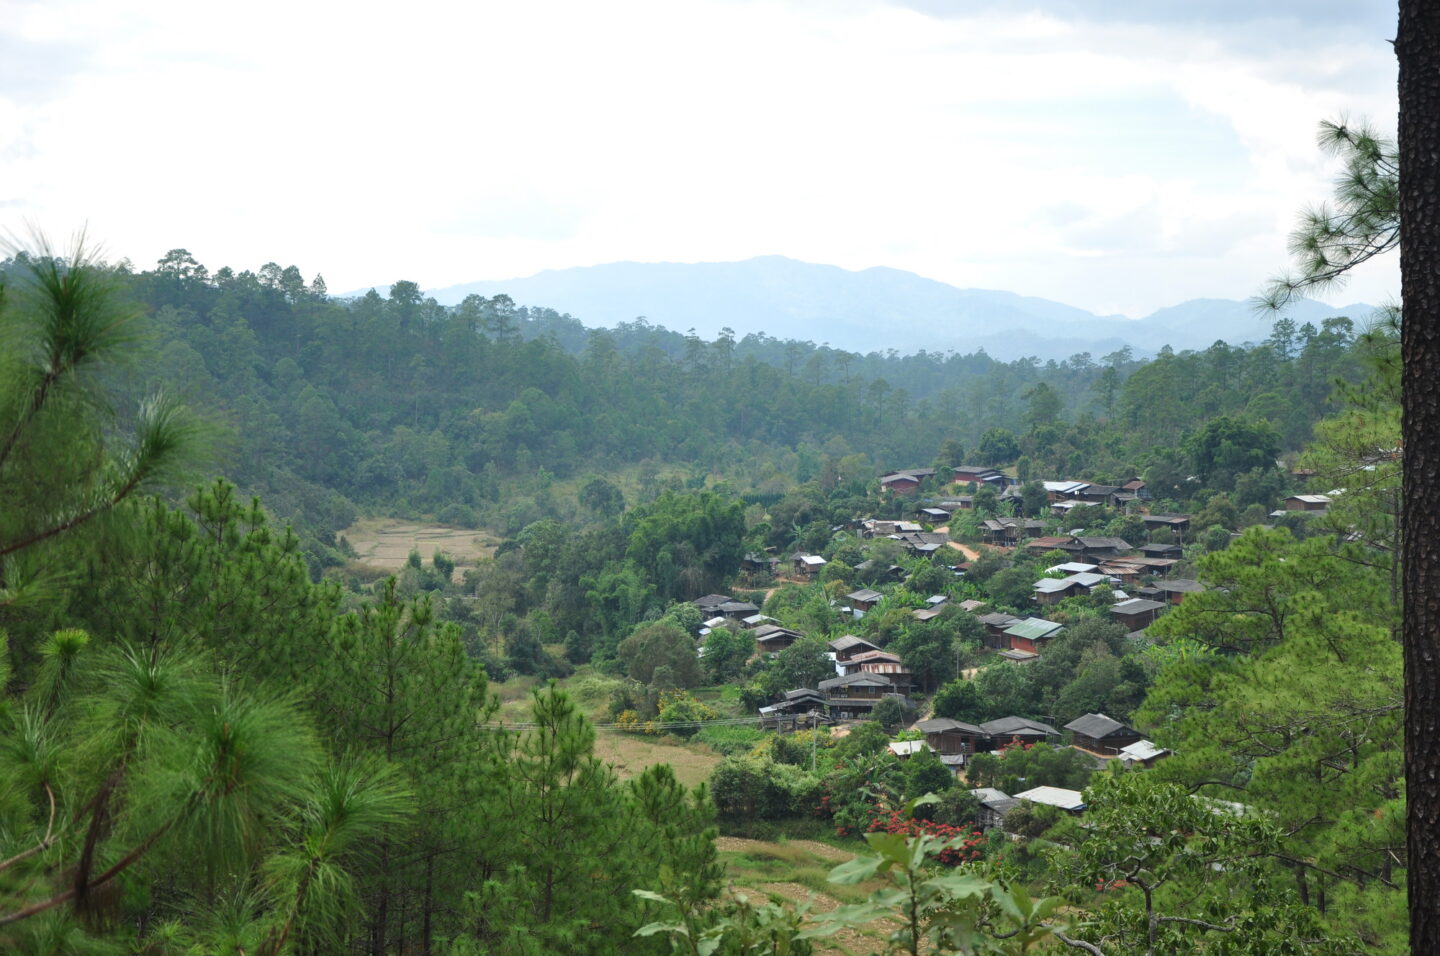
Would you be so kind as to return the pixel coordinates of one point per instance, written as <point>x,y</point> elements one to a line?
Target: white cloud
<point>447,143</point>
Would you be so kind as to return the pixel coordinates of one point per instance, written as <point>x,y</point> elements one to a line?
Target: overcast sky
<point>1118,155</point>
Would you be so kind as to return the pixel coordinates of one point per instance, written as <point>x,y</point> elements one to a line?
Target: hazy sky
<point>1119,155</point>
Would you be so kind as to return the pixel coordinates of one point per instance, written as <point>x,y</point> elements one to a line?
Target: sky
<point>1119,156</point>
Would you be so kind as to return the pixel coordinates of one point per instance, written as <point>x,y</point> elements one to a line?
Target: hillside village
<point>942,517</point>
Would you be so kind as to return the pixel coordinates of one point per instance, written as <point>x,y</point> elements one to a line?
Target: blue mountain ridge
<point>875,309</point>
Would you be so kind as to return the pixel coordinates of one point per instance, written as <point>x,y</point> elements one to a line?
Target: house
<point>946,736</point>
<point>906,748</point>
<point>972,474</point>
<point>1175,590</point>
<point>971,606</point>
<point>737,610</point>
<point>709,605</point>
<point>787,712</point>
<point>1000,531</point>
<point>755,620</point>
<point>844,648</point>
<point>957,503</point>
<point>1004,731</point>
<point>934,515</point>
<point>1071,801</point>
<point>863,600</point>
<point>905,482</point>
<point>856,662</point>
<point>1099,494</point>
<point>1101,734</point>
<point>1100,547</point>
<point>855,695</point>
<point>772,638</point>
<point>1067,543</point>
<point>807,565</point>
<point>995,625</point>
<point>927,613</point>
<point>1064,490</point>
<point>994,804</point>
<point>1049,591</point>
<point>1137,613</point>
<point>757,562</point>
<point>1124,570</point>
<point>1136,487</point>
<point>1156,566</point>
<point>1143,753</point>
<point>1031,634</point>
<point>1061,509</point>
<point>1307,503</point>
<point>1176,524</point>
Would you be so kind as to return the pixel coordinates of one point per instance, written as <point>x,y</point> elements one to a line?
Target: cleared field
<point>386,542</point>
<point>630,754</point>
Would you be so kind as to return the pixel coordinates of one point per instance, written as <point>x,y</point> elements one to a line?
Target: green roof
<point>1033,628</point>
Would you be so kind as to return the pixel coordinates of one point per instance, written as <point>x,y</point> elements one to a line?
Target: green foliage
<point>924,773</point>
<point>661,646</point>
<point>1023,767</point>
<point>1177,873</point>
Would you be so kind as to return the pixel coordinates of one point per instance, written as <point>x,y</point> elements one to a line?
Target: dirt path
<point>970,553</point>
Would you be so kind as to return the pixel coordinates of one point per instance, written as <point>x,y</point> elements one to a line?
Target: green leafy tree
<point>657,646</point>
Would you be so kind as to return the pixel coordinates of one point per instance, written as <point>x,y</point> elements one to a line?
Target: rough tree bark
<point>1417,46</point>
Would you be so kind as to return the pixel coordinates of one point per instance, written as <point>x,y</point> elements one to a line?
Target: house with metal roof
<point>1071,801</point>
<point>1100,734</point>
<point>1031,634</point>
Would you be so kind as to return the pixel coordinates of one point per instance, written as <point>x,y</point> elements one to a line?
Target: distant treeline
<point>399,405</point>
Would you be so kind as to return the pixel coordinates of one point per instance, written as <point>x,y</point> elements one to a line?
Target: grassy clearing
<point>630,754</point>
<point>385,543</point>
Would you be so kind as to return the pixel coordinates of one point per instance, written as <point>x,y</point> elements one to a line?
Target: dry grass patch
<point>630,754</point>
<point>387,542</point>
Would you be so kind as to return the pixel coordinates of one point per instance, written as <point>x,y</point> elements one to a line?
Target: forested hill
<point>870,310</point>
<point>399,405</point>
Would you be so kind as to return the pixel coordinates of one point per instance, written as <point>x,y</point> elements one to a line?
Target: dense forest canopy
<point>398,405</point>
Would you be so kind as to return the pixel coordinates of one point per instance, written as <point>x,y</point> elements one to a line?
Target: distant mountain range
<point>873,309</point>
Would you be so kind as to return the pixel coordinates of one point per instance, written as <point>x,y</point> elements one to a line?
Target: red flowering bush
<point>971,845</point>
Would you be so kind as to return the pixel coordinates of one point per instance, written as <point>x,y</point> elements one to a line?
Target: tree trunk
<point>1417,46</point>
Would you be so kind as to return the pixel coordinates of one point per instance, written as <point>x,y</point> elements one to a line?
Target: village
<point>1081,576</point>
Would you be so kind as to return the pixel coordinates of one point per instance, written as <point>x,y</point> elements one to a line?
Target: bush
<point>730,740</point>
<point>461,516</point>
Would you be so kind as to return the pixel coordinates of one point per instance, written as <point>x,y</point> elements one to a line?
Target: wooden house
<point>948,736</point>
<point>757,562</point>
<point>1004,731</point>
<point>848,646</point>
<point>864,599</point>
<point>855,695</point>
<point>1307,503</point>
<point>1100,734</point>
<point>806,565</point>
<point>1174,590</point>
<point>772,638</point>
<point>1031,634</point>
<point>1137,613</point>
<point>709,605</point>
<point>972,474</point>
<point>995,625</point>
<point>1102,547</point>
<point>1176,524</point>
